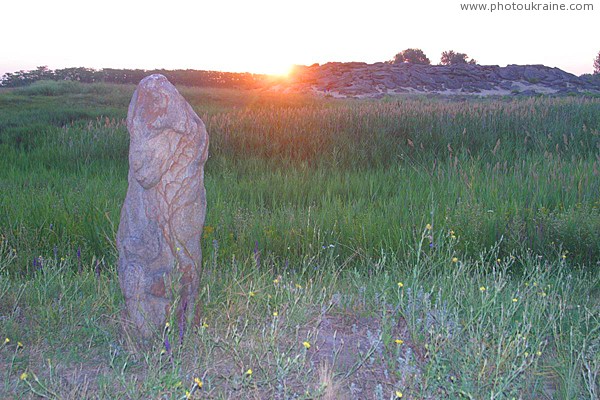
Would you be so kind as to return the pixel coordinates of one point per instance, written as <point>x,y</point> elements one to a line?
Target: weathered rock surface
<point>163,214</point>
<point>376,80</point>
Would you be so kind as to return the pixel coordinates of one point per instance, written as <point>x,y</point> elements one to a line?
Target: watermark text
<point>531,6</point>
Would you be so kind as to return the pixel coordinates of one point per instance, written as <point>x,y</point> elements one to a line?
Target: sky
<point>269,36</point>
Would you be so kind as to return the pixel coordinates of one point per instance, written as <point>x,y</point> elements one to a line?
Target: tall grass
<point>368,134</point>
<point>301,173</point>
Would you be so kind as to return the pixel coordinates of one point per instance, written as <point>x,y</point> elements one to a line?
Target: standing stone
<point>163,214</point>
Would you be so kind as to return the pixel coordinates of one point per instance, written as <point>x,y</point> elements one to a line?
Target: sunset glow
<point>268,36</point>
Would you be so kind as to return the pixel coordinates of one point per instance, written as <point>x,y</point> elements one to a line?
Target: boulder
<point>163,214</point>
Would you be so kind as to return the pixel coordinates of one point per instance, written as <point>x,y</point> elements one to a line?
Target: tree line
<point>187,77</point>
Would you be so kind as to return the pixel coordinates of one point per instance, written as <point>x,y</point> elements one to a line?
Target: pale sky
<point>268,36</point>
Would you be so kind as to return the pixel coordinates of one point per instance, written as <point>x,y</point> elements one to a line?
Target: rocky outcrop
<point>379,79</point>
<point>163,214</point>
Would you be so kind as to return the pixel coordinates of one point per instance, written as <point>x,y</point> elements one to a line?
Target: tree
<point>411,56</point>
<point>597,64</point>
<point>42,73</point>
<point>451,57</point>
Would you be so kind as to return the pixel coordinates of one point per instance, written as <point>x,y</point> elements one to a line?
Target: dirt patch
<point>363,355</point>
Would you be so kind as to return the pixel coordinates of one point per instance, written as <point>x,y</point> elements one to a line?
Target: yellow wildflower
<point>400,284</point>
<point>6,341</point>
<point>204,324</point>
<point>306,345</point>
<point>454,259</point>
<point>198,382</point>
<point>515,300</point>
<point>276,281</point>
<point>188,395</point>
<point>482,289</point>
<point>275,313</point>
<point>428,227</point>
<point>399,341</point>
<point>24,376</point>
<point>19,345</point>
<point>298,286</point>
<point>398,394</point>
<point>251,294</point>
<point>249,372</point>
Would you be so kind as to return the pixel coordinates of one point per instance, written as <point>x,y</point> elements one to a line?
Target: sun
<point>277,67</point>
<point>281,70</point>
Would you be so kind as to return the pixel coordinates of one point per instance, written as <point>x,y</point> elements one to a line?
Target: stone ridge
<point>362,80</point>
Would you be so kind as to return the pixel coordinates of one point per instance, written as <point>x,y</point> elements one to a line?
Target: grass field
<point>433,247</point>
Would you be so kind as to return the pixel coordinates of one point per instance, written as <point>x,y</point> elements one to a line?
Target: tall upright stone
<point>163,214</point>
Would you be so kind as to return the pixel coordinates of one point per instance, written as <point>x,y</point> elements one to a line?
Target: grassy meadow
<point>413,247</point>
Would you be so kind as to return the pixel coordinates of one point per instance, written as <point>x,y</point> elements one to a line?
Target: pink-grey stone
<point>380,79</point>
<point>163,214</point>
